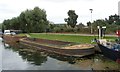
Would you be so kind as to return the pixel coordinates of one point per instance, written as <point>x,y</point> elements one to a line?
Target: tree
<point>114,19</point>
<point>72,19</point>
<point>89,23</point>
<point>14,23</point>
<point>6,24</point>
<point>35,20</point>
<point>23,22</point>
<point>100,22</point>
<point>29,21</point>
<point>39,19</point>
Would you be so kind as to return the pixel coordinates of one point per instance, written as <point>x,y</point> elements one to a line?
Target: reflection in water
<point>36,58</point>
<point>1,55</point>
<point>30,55</point>
<point>43,59</point>
<point>70,60</point>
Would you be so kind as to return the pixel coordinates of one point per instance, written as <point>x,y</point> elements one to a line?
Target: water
<point>1,46</point>
<point>19,57</point>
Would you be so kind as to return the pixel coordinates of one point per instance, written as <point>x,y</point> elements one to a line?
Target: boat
<point>59,47</point>
<point>110,50</point>
<point>12,38</point>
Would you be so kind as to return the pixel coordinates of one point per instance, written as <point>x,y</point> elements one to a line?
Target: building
<point>119,8</point>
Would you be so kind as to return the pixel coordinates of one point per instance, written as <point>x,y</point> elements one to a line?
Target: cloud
<point>64,0</point>
<point>57,9</point>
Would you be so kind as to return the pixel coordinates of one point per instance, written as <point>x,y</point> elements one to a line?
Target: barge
<point>59,47</point>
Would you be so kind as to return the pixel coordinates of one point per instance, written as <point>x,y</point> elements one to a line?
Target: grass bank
<point>68,38</point>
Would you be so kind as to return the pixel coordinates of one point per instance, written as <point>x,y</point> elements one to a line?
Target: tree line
<point>28,21</point>
<point>36,21</point>
<point>112,23</point>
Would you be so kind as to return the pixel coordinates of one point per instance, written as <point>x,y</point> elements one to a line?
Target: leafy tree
<point>14,23</point>
<point>51,27</point>
<point>72,19</point>
<point>89,23</point>
<point>6,24</point>
<point>114,19</point>
<point>100,22</point>
<point>29,21</point>
<point>35,20</point>
<point>23,22</point>
<point>40,20</point>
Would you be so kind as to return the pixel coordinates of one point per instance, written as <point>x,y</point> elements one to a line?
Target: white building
<point>119,8</point>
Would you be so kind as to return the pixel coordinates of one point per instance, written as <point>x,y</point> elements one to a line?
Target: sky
<point>56,10</point>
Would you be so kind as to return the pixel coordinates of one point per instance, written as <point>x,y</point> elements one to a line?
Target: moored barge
<point>59,47</point>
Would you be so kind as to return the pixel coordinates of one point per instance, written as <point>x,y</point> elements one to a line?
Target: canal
<point>15,56</point>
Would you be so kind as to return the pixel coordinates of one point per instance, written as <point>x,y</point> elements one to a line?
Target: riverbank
<point>81,38</point>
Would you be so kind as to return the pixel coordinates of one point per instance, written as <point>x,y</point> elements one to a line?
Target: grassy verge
<point>22,34</point>
<point>69,38</point>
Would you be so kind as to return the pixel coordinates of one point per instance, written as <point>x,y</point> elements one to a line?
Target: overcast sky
<point>57,9</point>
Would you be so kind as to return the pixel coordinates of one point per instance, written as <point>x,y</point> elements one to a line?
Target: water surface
<point>19,57</point>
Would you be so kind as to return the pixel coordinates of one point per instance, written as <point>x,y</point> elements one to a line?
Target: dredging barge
<point>54,46</point>
<point>59,47</point>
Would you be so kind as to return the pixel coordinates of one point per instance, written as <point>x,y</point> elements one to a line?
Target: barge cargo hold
<point>59,47</point>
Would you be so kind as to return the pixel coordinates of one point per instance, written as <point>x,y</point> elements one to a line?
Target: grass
<point>22,34</point>
<point>68,38</point>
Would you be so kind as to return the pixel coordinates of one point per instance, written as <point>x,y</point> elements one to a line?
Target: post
<point>91,21</point>
<point>104,29</point>
<point>26,28</point>
<point>99,32</point>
